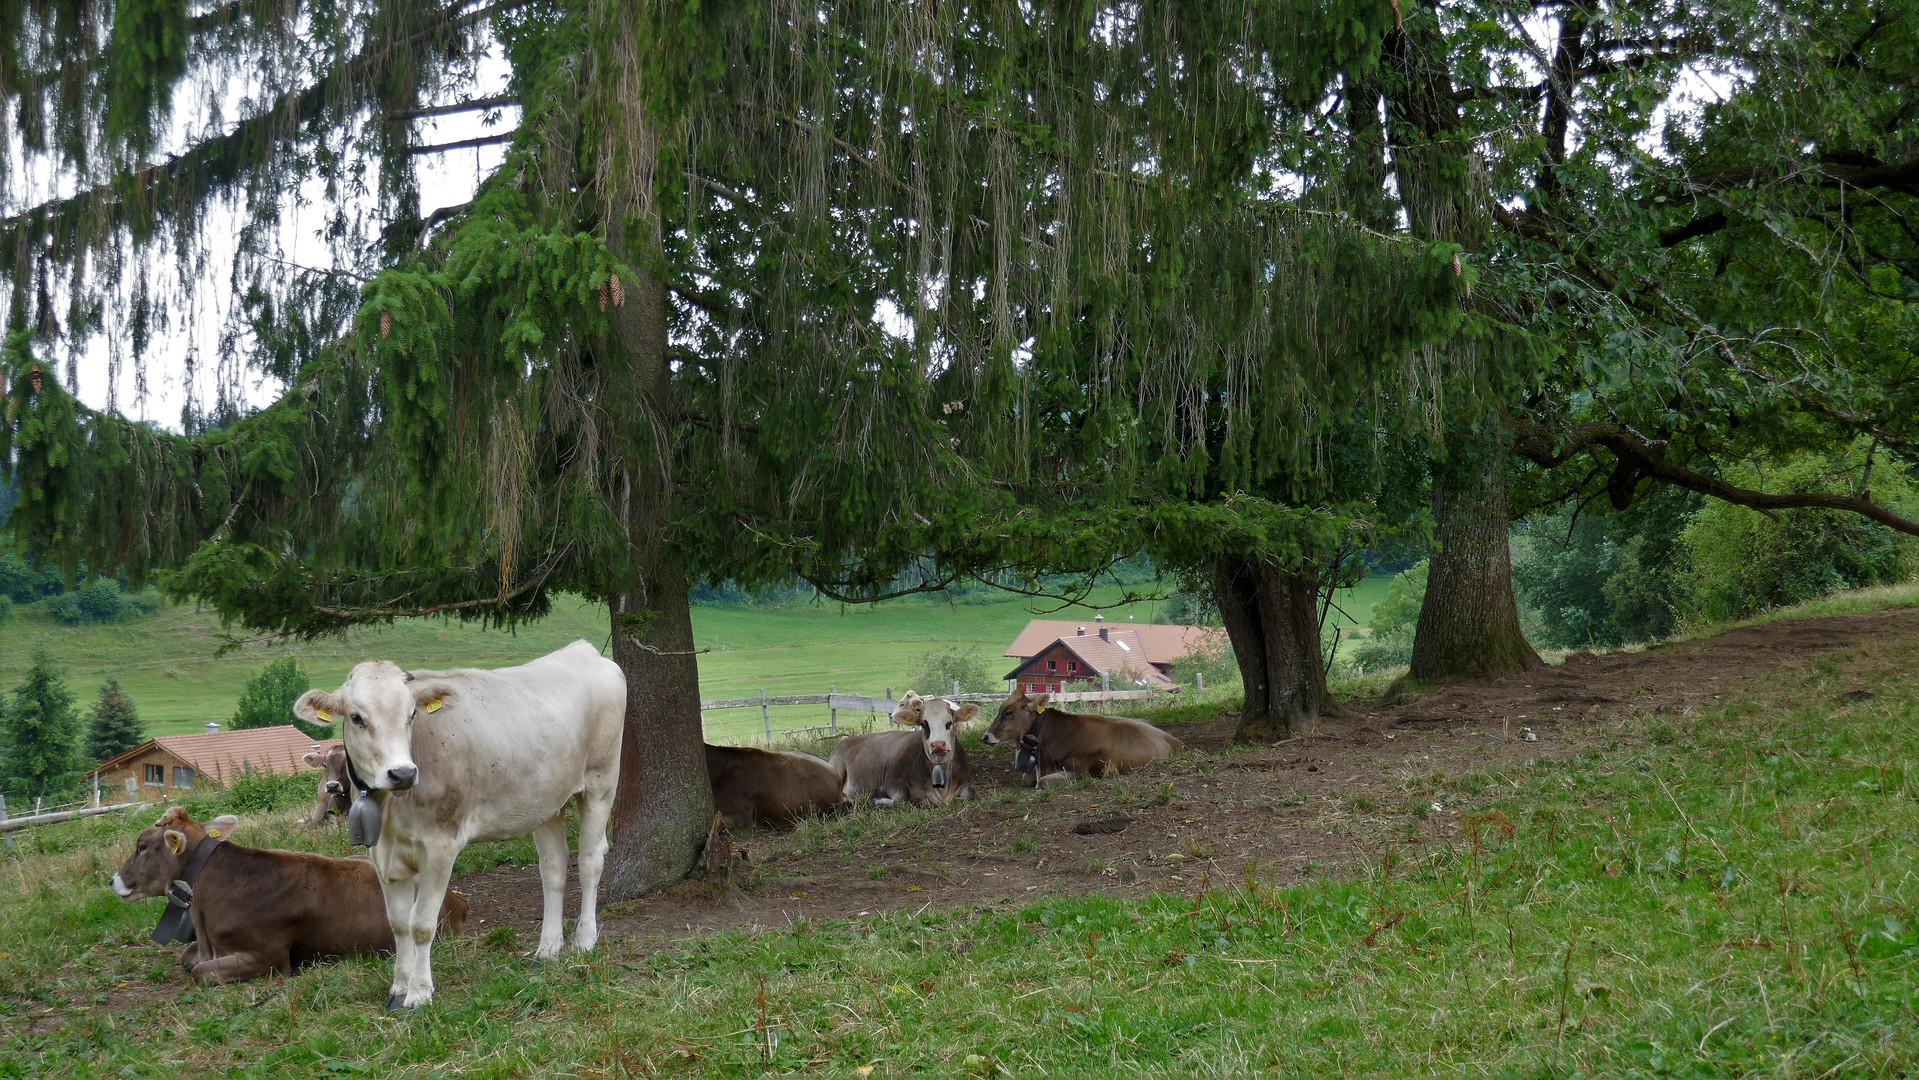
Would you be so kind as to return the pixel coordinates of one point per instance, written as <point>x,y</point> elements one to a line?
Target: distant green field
<point>166,661</point>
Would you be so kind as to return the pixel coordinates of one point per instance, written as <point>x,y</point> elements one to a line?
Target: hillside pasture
<point>169,664</point>
<point>1701,868</point>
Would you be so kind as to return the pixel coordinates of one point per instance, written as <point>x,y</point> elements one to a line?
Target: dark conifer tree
<point>39,746</point>
<point>114,725</point>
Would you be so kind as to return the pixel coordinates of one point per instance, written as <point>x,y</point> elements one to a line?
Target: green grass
<point>166,662</point>
<point>1729,893</point>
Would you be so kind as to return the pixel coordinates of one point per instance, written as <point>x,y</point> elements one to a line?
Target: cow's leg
<point>1053,779</point>
<point>550,841</point>
<point>596,807</point>
<point>427,896</point>
<point>235,967</point>
<point>401,882</point>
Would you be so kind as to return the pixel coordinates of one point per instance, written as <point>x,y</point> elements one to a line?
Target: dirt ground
<point>1315,804</point>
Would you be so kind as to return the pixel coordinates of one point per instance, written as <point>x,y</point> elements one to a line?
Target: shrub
<point>1740,561</point>
<point>6,607</point>
<point>269,696</point>
<point>934,672</point>
<point>1605,579</point>
<point>99,601</point>
<point>1390,642</point>
<point>256,792</point>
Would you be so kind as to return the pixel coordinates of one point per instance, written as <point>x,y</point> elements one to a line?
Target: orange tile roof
<point>220,755</point>
<point>1163,643</point>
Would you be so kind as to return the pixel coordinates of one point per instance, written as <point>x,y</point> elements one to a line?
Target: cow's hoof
<point>397,1003</point>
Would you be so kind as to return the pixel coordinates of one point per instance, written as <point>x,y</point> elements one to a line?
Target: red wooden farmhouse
<point>1056,655</point>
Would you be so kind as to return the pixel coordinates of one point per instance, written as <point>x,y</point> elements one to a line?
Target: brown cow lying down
<point>770,787</point>
<point>926,766</point>
<point>1069,745</point>
<point>255,911</point>
<point>333,796</point>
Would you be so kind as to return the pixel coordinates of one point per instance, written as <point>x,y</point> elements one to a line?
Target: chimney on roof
<point>1102,634</point>
<point>1100,617</point>
<point>213,727</point>
<point>1082,631</point>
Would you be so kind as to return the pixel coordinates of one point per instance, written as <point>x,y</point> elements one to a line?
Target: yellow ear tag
<point>433,706</point>
<point>323,715</point>
<point>215,833</point>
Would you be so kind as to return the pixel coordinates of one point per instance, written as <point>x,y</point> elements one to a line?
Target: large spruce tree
<point>755,292</point>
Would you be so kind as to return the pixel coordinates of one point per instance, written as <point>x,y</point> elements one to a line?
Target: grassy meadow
<point>167,661</point>
<point>1727,892</point>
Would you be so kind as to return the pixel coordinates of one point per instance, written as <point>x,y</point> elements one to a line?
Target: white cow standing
<point>469,754</point>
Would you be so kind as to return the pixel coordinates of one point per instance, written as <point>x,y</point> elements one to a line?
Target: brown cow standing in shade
<point>333,796</point>
<point>754,787</point>
<point>256,912</point>
<point>926,764</point>
<point>1069,745</point>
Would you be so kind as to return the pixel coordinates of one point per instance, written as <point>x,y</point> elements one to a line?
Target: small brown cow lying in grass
<point>256,912</point>
<point>925,764</point>
<point>770,787</point>
<point>1057,746</point>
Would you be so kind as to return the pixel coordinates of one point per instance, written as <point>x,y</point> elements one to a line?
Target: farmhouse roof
<point>1120,653</point>
<point>1162,643</point>
<point>219,755</point>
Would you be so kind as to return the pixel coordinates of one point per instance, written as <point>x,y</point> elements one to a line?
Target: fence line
<point>837,702</point>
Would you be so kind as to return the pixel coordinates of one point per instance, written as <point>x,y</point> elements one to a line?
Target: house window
<point>182,777</point>
<point>156,774</point>
<point>1052,666</point>
<point>1072,667</point>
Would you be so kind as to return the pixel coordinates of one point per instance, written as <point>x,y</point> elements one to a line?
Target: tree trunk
<point>1469,622</point>
<point>1273,622</point>
<point>665,805</point>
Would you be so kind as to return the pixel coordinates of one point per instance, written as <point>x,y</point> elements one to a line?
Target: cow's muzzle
<point>402,777</point>
<point>989,739</point>
<point>334,787</point>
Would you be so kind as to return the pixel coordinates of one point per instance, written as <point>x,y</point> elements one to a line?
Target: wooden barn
<point>1056,655</point>
<point>167,766</point>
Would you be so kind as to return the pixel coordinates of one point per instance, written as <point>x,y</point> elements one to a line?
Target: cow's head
<point>332,796</point>
<point>938,720</point>
<point>1015,719</point>
<point>376,709</point>
<point>161,852</point>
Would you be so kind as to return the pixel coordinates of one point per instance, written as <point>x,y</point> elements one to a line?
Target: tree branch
<point>1641,458</point>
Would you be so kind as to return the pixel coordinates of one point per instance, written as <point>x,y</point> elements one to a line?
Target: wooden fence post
<point>1200,677</point>
<point>3,817</point>
<point>765,716</point>
<point>832,714</point>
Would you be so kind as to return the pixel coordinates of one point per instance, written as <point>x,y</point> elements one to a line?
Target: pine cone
<point>386,324</point>
<point>618,289</point>
<point>603,295</point>
<point>34,377</point>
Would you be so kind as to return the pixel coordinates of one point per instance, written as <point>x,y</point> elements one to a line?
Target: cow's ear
<point>222,826</point>
<point>432,696</point>
<point>312,760</point>
<point>318,707</point>
<point>1040,701</point>
<point>908,712</point>
<point>176,840</point>
<point>963,713</point>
